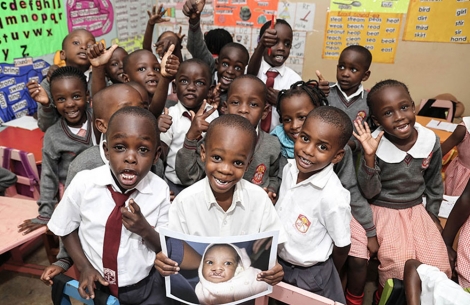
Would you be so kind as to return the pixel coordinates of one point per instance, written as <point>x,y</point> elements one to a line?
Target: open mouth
<point>152,82</point>
<point>403,128</point>
<point>226,80</point>
<point>128,177</point>
<point>294,135</point>
<point>278,58</point>
<point>72,114</point>
<point>82,55</point>
<point>304,162</point>
<point>221,183</point>
<point>190,96</point>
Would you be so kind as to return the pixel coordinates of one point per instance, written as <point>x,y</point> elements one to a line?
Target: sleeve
<point>369,179</point>
<point>188,165</point>
<point>177,217</point>
<point>7,179</point>
<point>63,258</point>
<point>434,190</point>
<point>197,46</point>
<point>274,180</point>
<point>360,208</point>
<point>47,116</point>
<point>164,208</point>
<point>337,217</point>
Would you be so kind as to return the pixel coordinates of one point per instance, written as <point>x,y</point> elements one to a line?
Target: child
<point>74,47</point>
<point>95,200</point>
<point>318,230</point>
<point>293,107</point>
<point>395,172</point>
<point>67,138</point>
<point>347,93</point>
<point>458,171</point>
<point>192,87</point>
<point>270,66</point>
<point>247,98</point>
<point>235,206</point>
<point>114,68</point>
<point>226,275</point>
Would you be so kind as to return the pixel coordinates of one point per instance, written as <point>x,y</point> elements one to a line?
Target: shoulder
<point>55,131</point>
<point>334,191</point>
<point>269,140</point>
<point>292,75</point>
<point>252,193</point>
<point>191,192</point>
<point>156,183</point>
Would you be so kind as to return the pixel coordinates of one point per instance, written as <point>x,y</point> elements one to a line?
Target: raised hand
<point>170,63</point>
<point>269,38</point>
<point>193,8</point>
<point>164,121</point>
<point>51,70</point>
<point>198,122</point>
<point>213,98</point>
<point>369,143</point>
<point>156,16</point>
<point>98,55</point>
<point>133,219</point>
<point>323,84</point>
<point>37,93</point>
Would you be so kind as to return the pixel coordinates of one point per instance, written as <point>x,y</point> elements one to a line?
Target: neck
<point>404,144</point>
<point>225,200</point>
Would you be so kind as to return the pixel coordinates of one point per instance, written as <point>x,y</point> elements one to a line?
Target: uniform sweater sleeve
<point>188,165</point>
<point>197,46</point>
<point>369,179</point>
<point>434,190</point>
<point>63,258</point>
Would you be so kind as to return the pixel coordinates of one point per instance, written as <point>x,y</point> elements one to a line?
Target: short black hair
<point>238,46</point>
<point>268,24</point>
<point>125,62</point>
<point>69,72</point>
<point>136,112</point>
<point>310,87</point>
<point>198,62</point>
<point>336,117</point>
<point>216,39</point>
<point>76,30</point>
<point>254,79</point>
<point>365,53</point>
<point>233,121</point>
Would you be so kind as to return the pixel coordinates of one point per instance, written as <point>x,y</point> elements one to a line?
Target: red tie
<point>188,115</point>
<point>266,123</point>
<point>112,239</point>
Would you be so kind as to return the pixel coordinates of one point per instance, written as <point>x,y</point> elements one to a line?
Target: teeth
<point>305,161</point>
<point>128,176</point>
<point>220,181</point>
<point>279,58</point>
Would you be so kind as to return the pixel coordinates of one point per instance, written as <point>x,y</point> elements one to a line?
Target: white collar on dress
<point>210,198</point>
<point>388,152</point>
<point>318,180</point>
<point>359,91</point>
<point>265,67</point>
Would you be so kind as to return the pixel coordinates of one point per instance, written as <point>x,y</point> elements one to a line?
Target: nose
<point>309,150</point>
<point>243,108</point>
<point>230,70</point>
<point>398,116</point>
<point>130,156</point>
<point>191,86</point>
<point>69,103</point>
<point>225,168</point>
<point>296,124</point>
<point>345,73</point>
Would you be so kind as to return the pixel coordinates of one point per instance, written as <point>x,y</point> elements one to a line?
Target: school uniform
<point>394,188</point>
<point>316,216</point>
<point>174,139</point>
<point>263,169</point>
<point>283,80</point>
<point>87,203</point>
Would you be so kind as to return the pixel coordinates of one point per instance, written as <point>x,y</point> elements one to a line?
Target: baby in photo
<point>226,275</point>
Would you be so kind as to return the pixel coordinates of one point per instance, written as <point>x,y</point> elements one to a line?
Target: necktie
<point>112,239</point>
<point>266,123</point>
<point>81,133</point>
<point>187,114</point>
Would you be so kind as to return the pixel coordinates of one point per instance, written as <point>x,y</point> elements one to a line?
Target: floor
<point>18,289</point>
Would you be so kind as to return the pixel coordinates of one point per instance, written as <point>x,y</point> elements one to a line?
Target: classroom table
<point>442,134</point>
<point>23,139</point>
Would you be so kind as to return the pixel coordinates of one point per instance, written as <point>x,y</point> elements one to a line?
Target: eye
<point>209,262</point>
<point>114,64</point>
<point>322,147</point>
<point>254,105</point>
<point>224,64</point>
<point>341,67</point>
<point>238,68</point>
<point>238,163</point>
<point>302,118</point>
<point>156,69</point>
<point>304,138</point>
<point>216,158</point>
<point>76,97</point>
<point>200,83</point>
<point>60,99</point>
<point>286,120</point>
<point>354,70</point>
<point>141,69</point>
<point>404,107</point>
<point>388,113</point>
<point>119,147</point>
<point>287,44</point>
<point>235,103</point>
<point>76,42</point>
<point>228,264</point>
<point>184,81</point>
<point>143,150</point>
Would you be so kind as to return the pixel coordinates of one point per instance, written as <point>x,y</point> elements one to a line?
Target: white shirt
<point>174,137</point>
<point>437,289</point>
<point>359,91</point>
<point>284,80</point>
<point>87,203</point>
<point>315,213</point>
<point>195,211</point>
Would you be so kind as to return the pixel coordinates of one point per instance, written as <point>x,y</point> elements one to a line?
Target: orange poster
<point>251,13</point>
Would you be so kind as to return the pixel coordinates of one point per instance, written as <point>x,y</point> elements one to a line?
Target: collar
<point>104,177</point>
<point>75,130</point>
<point>181,109</point>
<point>360,91</point>
<point>466,121</point>
<point>318,180</point>
<point>101,147</point>
<point>388,152</point>
<point>210,200</point>
<point>265,67</point>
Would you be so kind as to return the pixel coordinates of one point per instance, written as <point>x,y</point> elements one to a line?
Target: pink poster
<point>96,16</point>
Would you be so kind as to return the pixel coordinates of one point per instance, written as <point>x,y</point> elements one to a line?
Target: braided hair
<point>69,72</point>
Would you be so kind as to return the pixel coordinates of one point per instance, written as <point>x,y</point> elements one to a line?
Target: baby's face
<point>220,263</point>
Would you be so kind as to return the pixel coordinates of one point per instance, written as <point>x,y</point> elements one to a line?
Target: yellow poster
<point>378,32</point>
<point>438,21</point>
<point>376,6</point>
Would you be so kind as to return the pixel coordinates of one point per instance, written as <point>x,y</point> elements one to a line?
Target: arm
<point>433,179</point>
<point>189,167</point>
<point>156,16</point>
<point>268,40</point>
<point>455,138</point>
<point>340,254</point>
<point>412,282</point>
<point>99,57</point>
<point>274,181</point>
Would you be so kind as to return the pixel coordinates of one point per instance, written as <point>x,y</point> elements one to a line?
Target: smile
<point>402,128</point>
<point>305,161</point>
<point>279,58</point>
<point>72,114</point>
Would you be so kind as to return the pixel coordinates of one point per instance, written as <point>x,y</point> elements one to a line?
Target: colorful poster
<point>376,6</point>
<point>304,17</point>
<point>96,16</point>
<point>31,28</point>
<point>442,21</point>
<point>378,32</point>
<point>251,13</point>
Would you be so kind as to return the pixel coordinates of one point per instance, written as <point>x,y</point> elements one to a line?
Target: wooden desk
<point>442,134</point>
<point>23,139</point>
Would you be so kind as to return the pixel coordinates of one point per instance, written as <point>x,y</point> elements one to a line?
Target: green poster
<point>375,6</point>
<point>31,28</point>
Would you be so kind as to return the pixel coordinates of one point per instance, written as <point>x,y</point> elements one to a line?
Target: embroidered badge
<point>109,276</point>
<point>259,174</point>
<point>361,115</point>
<point>302,223</point>
<point>426,161</point>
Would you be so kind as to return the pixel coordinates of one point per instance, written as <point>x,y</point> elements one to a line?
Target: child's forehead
<point>233,53</point>
<point>193,67</point>
<point>354,56</point>
<point>240,84</point>
<point>142,56</point>
<point>57,83</point>
<point>143,125</point>
<point>83,34</point>
<point>283,31</point>
<point>119,53</point>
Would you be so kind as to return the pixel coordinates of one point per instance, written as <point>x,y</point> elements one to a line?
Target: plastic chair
<point>65,287</point>
<point>442,109</point>
<point>393,293</point>
<point>24,166</point>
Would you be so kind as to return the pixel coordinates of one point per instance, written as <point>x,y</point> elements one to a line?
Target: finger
<point>102,281</point>
<point>209,112</point>
<point>154,9</point>
<point>161,10</point>
<point>320,77</point>
<point>165,111</point>
<point>134,206</point>
<point>202,108</point>
<point>379,137</point>
<point>179,32</point>
<point>192,115</point>
<point>113,47</point>
<point>170,50</point>
<point>101,47</point>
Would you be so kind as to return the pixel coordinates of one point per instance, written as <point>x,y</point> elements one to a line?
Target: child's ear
<point>203,153</point>
<point>375,120</point>
<point>338,157</point>
<point>413,107</point>
<point>157,153</point>
<point>62,55</point>
<point>173,86</point>
<point>106,151</point>
<point>125,78</point>
<point>265,111</point>
<point>101,125</point>
<point>366,76</point>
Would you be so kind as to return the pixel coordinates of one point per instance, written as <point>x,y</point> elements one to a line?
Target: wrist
<point>195,20</point>
<point>192,136</point>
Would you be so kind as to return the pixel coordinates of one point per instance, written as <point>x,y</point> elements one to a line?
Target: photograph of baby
<point>227,268</point>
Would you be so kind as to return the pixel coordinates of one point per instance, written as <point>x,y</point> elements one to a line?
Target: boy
<point>192,87</point>
<point>318,229</point>
<point>234,206</point>
<point>74,47</point>
<point>347,93</point>
<point>102,249</point>
<point>247,98</point>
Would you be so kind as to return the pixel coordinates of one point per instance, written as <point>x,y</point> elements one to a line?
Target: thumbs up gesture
<point>198,122</point>
<point>164,121</point>
<point>323,84</point>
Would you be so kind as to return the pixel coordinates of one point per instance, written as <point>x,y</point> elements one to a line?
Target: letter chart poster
<point>251,13</point>
<point>31,28</point>
<point>378,32</point>
<point>438,21</point>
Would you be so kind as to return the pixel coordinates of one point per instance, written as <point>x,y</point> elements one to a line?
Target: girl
<point>458,171</point>
<point>401,163</point>
<point>113,67</point>
<point>293,106</point>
